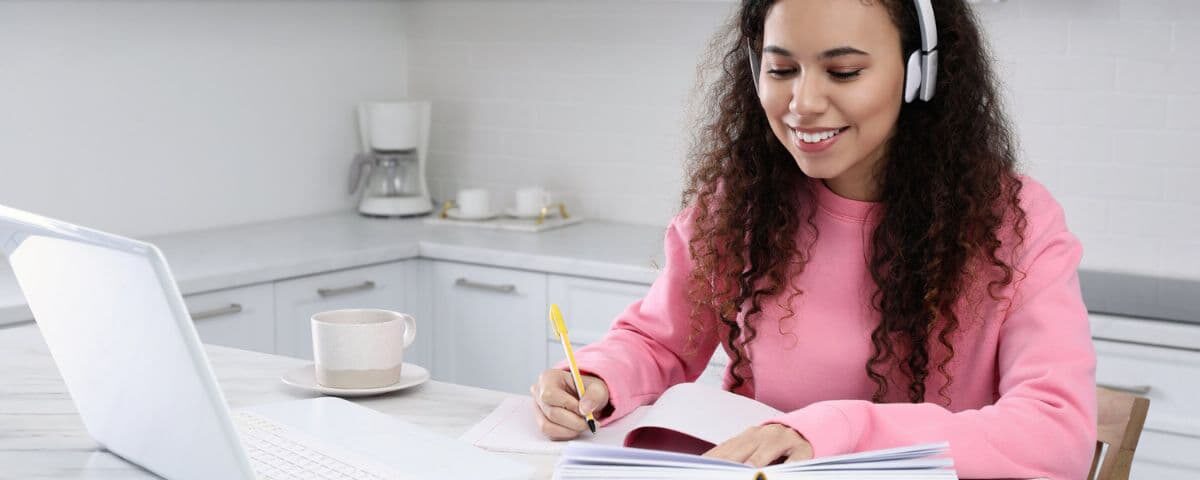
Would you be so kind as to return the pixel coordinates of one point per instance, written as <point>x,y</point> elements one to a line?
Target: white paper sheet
<point>511,427</point>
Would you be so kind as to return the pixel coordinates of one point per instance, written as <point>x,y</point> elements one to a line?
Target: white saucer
<point>306,378</point>
<point>511,212</point>
<point>455,214</point>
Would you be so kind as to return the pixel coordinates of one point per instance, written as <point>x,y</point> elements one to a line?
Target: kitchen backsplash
<point>588,97</point>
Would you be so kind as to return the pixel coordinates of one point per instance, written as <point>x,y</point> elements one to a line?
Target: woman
<point>875,268</point>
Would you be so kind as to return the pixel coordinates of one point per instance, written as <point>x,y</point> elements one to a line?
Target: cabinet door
<point>590,306</point>
<point>241,317</point>
<point>1166,456</point>
<point>490,326</point>
<point>387,286</point>
<point>1166,376</point>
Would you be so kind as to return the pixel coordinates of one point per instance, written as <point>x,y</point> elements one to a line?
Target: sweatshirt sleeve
<point>645,351</point>
<point>1044,422</point>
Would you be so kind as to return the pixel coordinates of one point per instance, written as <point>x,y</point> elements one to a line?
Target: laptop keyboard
<point>277,451</point>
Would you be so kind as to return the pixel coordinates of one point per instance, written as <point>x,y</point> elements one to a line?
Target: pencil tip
<point>592,425</point>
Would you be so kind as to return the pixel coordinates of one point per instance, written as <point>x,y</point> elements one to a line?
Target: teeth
<point>816,137</point>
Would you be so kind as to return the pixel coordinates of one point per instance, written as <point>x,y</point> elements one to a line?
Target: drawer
<point>386,286</point>
<point>1166,456</point>
<point>238,317</point>
<point>1170,375</point>
<point>590,306</point>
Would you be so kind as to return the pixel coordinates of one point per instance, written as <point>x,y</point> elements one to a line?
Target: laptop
<point>122,339</point>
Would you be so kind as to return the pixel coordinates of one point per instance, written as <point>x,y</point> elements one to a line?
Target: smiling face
<point>830,83</point>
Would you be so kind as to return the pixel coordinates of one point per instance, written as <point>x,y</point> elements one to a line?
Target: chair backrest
<point>1119,425</point>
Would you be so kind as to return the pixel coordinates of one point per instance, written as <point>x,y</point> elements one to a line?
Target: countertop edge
<point>202,282</point>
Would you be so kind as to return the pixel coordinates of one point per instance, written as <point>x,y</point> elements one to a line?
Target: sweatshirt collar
<point>842,207</point>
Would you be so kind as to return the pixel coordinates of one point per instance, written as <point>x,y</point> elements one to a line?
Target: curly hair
<point>946,186</point>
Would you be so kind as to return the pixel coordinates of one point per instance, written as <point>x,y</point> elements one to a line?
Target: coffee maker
<point>390,169</point>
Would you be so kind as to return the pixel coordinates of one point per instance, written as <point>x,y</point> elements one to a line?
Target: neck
<point>863,191</point>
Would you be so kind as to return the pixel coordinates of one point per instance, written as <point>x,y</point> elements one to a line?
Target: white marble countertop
<point>42,436</point>
<point>228,257</point>
<point>243,255</point>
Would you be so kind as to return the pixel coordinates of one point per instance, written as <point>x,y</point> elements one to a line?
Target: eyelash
<point>836,75</point>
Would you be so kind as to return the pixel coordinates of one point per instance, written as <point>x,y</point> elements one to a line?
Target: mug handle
<point>410,330</point>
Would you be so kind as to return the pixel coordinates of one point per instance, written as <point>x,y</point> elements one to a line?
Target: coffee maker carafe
<point>390,170</point>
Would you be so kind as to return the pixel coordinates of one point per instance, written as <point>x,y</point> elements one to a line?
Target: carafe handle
<point>359,170</point>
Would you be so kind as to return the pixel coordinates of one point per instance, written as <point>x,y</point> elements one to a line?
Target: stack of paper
<point>917,462</point>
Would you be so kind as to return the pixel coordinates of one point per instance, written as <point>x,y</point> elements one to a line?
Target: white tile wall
<point>587,98</point>
<point>1104,96</point>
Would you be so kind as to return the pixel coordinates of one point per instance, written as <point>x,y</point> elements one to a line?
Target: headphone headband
<point>929,41</point>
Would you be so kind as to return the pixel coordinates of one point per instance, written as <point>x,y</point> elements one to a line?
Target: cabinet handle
<point>506,288</point>
<point>330,292</point>
<point>1134,389</point>
<point>217,312</point>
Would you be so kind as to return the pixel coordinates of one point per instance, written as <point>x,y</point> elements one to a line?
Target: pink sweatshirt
<point>1022,401</point>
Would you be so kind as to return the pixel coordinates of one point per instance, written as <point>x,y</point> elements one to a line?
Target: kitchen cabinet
<point>241,317</point>
<point>1168,377</point>
<point>489,325</point>
<point>591,305</point>
<point>386,286</point>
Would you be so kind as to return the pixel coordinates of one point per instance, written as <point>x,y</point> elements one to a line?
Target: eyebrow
<point>831,53</point>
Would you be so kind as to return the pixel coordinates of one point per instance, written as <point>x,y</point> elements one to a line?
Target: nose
<point>808,95</point>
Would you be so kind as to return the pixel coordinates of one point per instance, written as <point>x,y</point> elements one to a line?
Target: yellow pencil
<point>560,330</point>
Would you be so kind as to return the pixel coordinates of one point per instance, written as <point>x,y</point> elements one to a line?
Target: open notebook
<point>664,440</point>
<point>672,423</point>
<point>917,462</point>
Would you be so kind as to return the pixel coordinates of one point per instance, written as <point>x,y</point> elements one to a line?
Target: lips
<point>814,140</point>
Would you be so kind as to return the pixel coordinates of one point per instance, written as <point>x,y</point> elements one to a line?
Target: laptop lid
<point>117,327</point>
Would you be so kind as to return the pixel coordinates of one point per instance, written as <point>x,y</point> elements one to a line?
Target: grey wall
<point>144,117</point>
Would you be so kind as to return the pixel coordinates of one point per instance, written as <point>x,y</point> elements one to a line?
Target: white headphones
<point>920,77</point>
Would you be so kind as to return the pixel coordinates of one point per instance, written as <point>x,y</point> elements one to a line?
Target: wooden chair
<point>1119,424</point>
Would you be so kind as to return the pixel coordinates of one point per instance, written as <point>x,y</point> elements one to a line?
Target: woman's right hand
<point>560,412</point>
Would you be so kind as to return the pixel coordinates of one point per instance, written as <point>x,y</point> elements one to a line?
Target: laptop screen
<point>115,324</point>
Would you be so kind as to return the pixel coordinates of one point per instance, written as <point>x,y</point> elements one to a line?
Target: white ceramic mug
<point>473,203</point>
<point>530,201</point>
<point>360,348</point>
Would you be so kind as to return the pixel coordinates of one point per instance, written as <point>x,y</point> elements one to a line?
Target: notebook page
<point>594,455</point>
<point>581,460</point>
<point>925,451</point>
<point>705,412</point>
<point>920,456</point>
<point>512,428</point>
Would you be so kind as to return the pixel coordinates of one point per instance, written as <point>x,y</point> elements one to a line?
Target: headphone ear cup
<point>912,77</point>
<point>929,70</point>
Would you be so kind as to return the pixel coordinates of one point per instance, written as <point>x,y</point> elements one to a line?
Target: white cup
<point>360,348</point>
<point>530,201</point>
<point>473,202</point>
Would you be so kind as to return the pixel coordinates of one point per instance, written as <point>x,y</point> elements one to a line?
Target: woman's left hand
<point>761,446</point>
